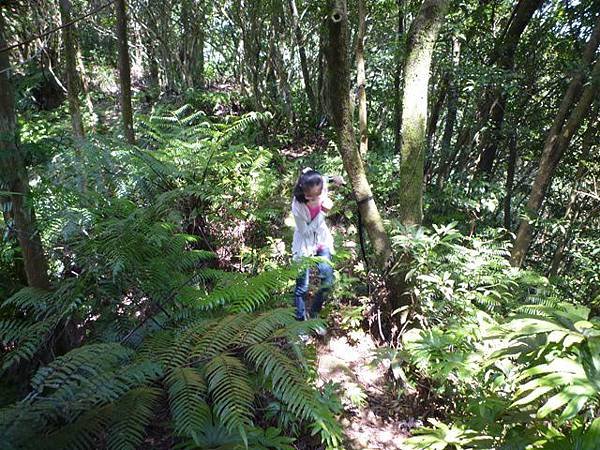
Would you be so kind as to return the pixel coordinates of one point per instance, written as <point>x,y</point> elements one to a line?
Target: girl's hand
<point>338,180</point>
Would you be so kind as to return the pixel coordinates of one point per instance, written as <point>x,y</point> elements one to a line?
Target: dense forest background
<point>148,152</point>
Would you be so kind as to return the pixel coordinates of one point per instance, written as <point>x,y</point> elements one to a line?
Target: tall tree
<point>398,77</point>
<point>69,39</point>
<point>575,105</point>
<point>452,109</point>
<point>124,71</point>
<point>192,43</point>
<point>588,141</point>
<point>303,60</point>
<point>14,181</point>
<point>361,79</point>
<point>422,36</point>
<point>503,57</point>
<point>338,66</point>
<point>277,62</point>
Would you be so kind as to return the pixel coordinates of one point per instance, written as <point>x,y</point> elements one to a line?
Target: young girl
<point>312,237</point>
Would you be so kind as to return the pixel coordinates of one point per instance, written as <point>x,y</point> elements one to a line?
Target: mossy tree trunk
<point>421,40</point>
<point>14,181</point>
<point>338,66</point>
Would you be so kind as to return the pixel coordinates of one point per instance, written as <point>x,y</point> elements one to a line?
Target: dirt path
<point>369,420</point>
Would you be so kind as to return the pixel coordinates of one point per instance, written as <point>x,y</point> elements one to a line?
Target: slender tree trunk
<point>322,97</point>
<point>510,179</point>
<point>361,79</point>
<point>339,89</point>
<point>69,38</point>
<point>504,56</point>
<point>421,40</point>
<point>440,98</point>
<point>557,141</point>
<point>85,88</point>
<point>398,78</point>
<point>16,202</point>
<point>303,61</point>
<point>124,72</point>
<point>587,142</point>
<point>198,74</point>
<point>559,253</point>
<point>445,157</point>
<point>277,61</point>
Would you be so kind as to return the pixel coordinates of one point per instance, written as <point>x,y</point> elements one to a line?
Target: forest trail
<point>369,420</point>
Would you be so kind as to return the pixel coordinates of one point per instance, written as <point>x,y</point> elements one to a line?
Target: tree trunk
<point>557,140</point>
<point>303,61</point>
<point>440,98</point>
<point>198,74</point>
<point>85,88</point>
<point>587,142</point>
<point>277,61</point>
<point>510,178</point>
<point>16,202</point>
<point>361,80</point>
<point>322,97</point>
<point>421,40</point>
<point>124,72</point>
<point>445,158</point>
<point>68,33</point>
<point>398,78</point>
<point>192,51</point>
<point>504,58</point>
<point>339,89</point>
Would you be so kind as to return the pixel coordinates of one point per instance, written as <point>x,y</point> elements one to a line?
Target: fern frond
<point>286,380</point>
<point>187,400</point>
<point>79,363</point>
<point>223,334</point>
<point>231,394</point>
<point>265,324</point>
<point>126,431</point>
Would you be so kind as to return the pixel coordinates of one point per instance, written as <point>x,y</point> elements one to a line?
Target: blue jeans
<point>326,276</point>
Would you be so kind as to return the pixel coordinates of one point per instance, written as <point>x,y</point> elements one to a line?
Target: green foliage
<point>441,436</point>
<point>498,345</point>
<point>153,326</point>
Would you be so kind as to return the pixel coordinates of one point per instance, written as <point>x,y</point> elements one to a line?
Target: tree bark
<point>398,78</point>
<point>339,89</point>
<point>421,40</point>
<point>361,80</point>
<point>68,34</point>
<point>124,72</point>
<point>434,116</point>
<point>192,52</point>
<point>510,179</point>
<point>587,142</point>
<point>303,61</point>
<point>557,140</point>
<point>16,201</point>
<point>504,58</point>
<point>445,157</point>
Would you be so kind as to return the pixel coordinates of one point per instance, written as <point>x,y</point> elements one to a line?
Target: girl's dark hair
<point>306,181</point>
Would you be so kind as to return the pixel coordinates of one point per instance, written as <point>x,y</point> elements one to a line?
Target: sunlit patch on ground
<point>369,421</point>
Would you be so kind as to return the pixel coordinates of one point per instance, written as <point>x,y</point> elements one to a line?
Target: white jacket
<point>310,233</point>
